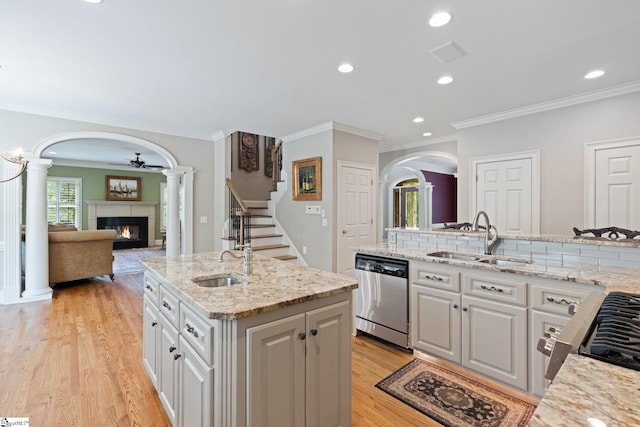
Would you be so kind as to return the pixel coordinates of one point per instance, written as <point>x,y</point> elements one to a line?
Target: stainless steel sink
<point>217,281</point>
<point>506,262</point>
<point>455,255</point>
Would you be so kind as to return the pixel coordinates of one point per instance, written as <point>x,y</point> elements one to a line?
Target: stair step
<point>285,257</point>
<point>260,204</point>
<point>264,236</point>
<point>267,247</point>
<point>262,225</point>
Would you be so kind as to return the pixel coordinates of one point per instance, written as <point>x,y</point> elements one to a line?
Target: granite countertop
<point>272,285</point>
<point>614,278</point>
<point>586,391</point>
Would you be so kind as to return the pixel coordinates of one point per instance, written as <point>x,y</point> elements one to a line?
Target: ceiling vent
<point>448,52</point>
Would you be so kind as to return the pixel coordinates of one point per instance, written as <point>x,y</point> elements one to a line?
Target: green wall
<point>94,186</point>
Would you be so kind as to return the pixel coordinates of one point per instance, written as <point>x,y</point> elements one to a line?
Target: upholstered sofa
<point>75,255</point>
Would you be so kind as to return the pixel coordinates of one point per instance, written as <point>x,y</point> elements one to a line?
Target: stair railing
<point>239,217</point>
<point>276,162</point>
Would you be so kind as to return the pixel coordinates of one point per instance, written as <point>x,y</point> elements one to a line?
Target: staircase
<point>264,238</point>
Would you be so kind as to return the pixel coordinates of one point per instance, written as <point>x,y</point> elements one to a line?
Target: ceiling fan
<point>138,163</point>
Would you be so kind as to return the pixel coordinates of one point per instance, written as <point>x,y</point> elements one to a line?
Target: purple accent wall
<point>445,196</point>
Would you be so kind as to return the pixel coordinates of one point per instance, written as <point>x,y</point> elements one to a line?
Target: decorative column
<point>10,238</point>
<point>425,198</point>
<point>186,239</point>
<point>37,237</point>
<point>173,211</point>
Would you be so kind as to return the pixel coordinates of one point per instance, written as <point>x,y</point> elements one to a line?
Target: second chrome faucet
<point>247,256</point>
<point>490,235</point>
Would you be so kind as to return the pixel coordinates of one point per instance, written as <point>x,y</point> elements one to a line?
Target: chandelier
<point>17,159</point>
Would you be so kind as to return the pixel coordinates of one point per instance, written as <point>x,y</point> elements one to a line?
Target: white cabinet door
<point>195,389</point>
<point>276,373</point>
<point>168,367</point>
<point>150,340</point>
<point>541,322</point>
<point>494,339</point>
<point>435,322</point>
<point>329,366</point>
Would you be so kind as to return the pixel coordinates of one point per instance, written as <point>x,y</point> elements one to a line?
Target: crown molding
<point>330,126</point>
<point>389,148</point>
<point>219,135</point>
<point>550,105</point>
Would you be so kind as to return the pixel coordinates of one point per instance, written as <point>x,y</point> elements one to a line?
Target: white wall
<point>560,135</point>
<point>27,130</point>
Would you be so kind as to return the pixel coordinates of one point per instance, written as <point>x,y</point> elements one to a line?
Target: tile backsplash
<point>561,251</point>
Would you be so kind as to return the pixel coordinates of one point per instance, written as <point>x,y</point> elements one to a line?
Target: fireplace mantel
<point>105,208</point>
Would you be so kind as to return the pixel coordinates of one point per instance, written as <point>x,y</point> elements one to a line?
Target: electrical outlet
<point>203,220</point>
<point>304,250</point>
<point>312,210</point>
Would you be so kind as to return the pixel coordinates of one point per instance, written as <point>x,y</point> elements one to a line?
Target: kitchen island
<point>272,349</point>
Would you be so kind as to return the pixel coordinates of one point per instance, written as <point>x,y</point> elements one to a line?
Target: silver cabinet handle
<point>435,278</point>
<point>491,288</point>
<point>191,330</point>
<point>166,305</point>
<point>561,301</point>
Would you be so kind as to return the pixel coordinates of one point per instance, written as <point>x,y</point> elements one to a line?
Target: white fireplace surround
<point>103,208</point>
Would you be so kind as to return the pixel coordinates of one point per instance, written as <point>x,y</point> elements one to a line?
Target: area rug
<point>127,261</point>
<point>452,399</point>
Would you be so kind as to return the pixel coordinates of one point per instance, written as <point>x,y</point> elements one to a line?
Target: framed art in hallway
<point>307,179</point>
<point>123,188</point>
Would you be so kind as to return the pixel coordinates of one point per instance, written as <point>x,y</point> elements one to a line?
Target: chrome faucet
<point>490,235</point>
<point>247,256</point>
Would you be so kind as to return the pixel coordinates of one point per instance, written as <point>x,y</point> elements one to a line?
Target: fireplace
<point>132,231</point>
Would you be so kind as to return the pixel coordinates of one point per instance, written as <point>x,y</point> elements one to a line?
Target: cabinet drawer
<point>557,296</point>
<point>198,333</point>
<point>435,276</point>
<point>503,287</point>
<point>169,306</point>
<point>151,288</point>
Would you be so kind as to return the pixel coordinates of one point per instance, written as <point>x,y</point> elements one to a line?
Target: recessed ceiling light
<point>418,120</point>
<point>445,80</point>
<point>52,152</point>
<point>93,1</point>
<point>594,74</point>
<point>439,19</point>
<point>345,68</point>
<point>427,134</point>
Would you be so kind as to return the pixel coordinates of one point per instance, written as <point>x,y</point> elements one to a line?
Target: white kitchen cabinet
<point>168,367</point>
<point>494,340</point>
<point>541,323</point>
<point>484,328</point>
<point>195,388</point>
<point>436,322</point>
<point>298,369</point>
<point>150,340</point>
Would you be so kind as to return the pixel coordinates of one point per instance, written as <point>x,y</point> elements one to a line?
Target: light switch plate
<point>312,210</point>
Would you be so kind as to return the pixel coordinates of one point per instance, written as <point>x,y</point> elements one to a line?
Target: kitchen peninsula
<point>272,349</point>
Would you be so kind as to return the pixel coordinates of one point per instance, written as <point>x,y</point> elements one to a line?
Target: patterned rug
<point>127,261</point>
<point>452,399</point>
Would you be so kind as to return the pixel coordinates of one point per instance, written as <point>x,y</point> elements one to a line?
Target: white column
<point>425,197</point>
<point>187,209</point>
<point>10,237</point>
<point>37,238</point>
<point>173,211</point>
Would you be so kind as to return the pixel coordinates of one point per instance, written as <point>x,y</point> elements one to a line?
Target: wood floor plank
<point>77,361</point>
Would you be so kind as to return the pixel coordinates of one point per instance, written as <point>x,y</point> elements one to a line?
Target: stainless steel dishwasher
<point>382,298</point>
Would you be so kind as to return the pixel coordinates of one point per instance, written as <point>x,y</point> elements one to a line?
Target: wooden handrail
<point>236,196</point>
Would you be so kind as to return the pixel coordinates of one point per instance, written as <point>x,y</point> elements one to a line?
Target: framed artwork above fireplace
<point>124,188</point>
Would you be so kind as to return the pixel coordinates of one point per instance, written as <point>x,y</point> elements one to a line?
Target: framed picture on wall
<point>307,179</point>
<point>123,188</point>
<point>248,152</point>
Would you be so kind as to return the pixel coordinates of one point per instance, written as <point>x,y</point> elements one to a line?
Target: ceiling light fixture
<point>418,120</point>
<point>445,80</point>
<point>427,134</point>
<point>440,19</point>
<point>93,1</point>
<point>17,159</point>
<point>594,74</point>
<point>345,68</point>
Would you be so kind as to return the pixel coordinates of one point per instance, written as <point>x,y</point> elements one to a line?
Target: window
<point>406,204</point>
<point>64,201</point>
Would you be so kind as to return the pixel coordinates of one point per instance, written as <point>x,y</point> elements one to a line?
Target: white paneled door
<point>617,187</point>
<point>506,188</point>
<point>355,220</point>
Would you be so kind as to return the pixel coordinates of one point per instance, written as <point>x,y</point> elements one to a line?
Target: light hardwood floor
<point>77,361</point>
